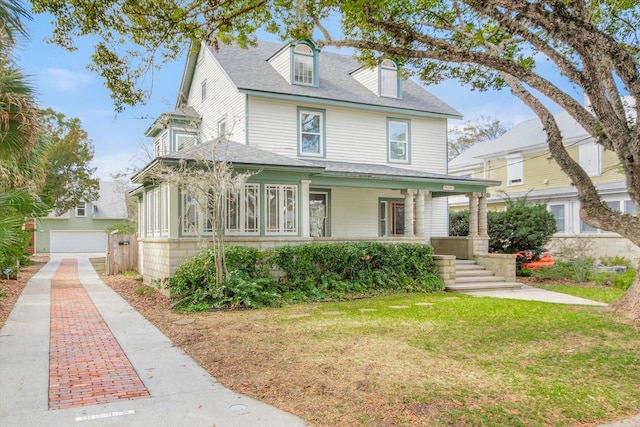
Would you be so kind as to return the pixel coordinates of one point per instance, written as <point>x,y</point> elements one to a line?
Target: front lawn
<point>606,294</point>
<point>421,360</point>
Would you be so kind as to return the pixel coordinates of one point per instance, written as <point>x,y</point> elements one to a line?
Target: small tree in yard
<point>208,180</point>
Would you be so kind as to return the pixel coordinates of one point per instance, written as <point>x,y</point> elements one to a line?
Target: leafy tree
<point>594,44</point>
<point>21,151</point>
<point>69,178</point>
<point>483,128</point>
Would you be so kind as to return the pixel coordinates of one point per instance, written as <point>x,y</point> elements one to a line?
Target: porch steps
<point>472,277</point>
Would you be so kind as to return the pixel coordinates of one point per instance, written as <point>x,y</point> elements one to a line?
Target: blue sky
<point>63,83</point>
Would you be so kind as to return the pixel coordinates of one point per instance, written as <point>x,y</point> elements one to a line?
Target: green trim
<point>407,161</point>
<point>333,102</point>
<point>398,80</point>
<point>314,50</point>
<point>323,136</point>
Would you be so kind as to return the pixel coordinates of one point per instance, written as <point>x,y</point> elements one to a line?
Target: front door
<point>397,218</point>
<point>318,213</point>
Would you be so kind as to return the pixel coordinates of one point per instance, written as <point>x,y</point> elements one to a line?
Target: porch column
<point>473,214</point>
<point>482,214</point>
<point>420,213</point>
<point>408,212</point>
<point>304,207</point>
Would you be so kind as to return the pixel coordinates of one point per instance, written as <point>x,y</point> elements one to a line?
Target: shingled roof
<point>249,71</point>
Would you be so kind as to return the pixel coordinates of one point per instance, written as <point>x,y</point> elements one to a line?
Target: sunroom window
<point>303,64</point>
<point>281,209</point>
<point>242,210</point>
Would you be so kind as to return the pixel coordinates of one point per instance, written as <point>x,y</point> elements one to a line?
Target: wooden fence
<point>122,253</point>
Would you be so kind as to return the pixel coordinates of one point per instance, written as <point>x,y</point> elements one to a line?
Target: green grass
<point>508,362</point>
<point>606,294</point>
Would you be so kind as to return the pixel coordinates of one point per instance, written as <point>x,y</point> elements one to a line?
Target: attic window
<point>303,65</point>
<point>389,79</point>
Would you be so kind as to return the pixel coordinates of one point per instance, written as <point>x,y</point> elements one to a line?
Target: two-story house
<point>338,152</point>
<point>520,160</point>
<point>82,229</point>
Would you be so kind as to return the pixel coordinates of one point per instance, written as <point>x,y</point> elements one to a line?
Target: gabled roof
<point>250,72</point>
<point>525,136</point>
<point>111,203</point>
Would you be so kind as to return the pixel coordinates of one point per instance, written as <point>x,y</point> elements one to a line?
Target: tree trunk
<point>629,303</point>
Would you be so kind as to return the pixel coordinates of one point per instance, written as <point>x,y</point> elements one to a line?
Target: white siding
<point>281,62</point>
<point>354,211</point>
<point>352,135</point>
<point>368,77</point>
<point>223,100</point>
<point>436,221</point>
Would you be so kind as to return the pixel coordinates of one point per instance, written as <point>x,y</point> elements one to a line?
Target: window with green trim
<point>303,64</point>
<point>398,141</point>
<point>311,138</point>
<point>281,209</point>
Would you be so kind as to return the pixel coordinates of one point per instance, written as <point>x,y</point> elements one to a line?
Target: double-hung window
<point>311,137</point>
<point>242,208</point>
<point>81,209</point>
<point>281,209</point>
<point>398,140</point>
<point>558,212</point>
<point>303,64</point>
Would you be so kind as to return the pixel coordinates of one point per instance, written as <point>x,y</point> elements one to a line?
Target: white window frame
<point>203,90</point>
<point>562,219</point>
<point>81,210</point>
<point>222,127</point>
<point>285,216</point>
<point>515,169</point>
<point>389,79</point>
<point>406,152</point>
<point>156,204</point>
<point>629,207</point>
<point>590,155</point>
<point>191,215</point>
<point>303,65</point>
<point>238,208</point>
<point>302,112</point>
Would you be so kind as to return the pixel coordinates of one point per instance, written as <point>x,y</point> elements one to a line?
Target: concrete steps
<point>472,277</point>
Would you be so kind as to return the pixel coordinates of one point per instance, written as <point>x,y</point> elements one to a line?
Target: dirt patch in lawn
<point>13,288</point>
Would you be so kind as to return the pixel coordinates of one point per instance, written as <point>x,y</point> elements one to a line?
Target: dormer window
<point>304,65</point>
<point>389,82</point>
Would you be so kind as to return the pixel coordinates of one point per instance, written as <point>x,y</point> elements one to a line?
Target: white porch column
<point>420,213</point>
<point>473,214</point>
<point>408,212</point>
<point>482,214</point>
<point>304,207</point>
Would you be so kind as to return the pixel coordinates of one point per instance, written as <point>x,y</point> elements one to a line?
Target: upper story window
<point>311,136</point>
<point>398,143</point>
<point>304,65</point>
<point>203,90</point>
<point>515,169</point>
<point>81,209</point>
<point>222,127</point>
<point>162,145</point>
<point>589,157</point>
<point>389,83</point>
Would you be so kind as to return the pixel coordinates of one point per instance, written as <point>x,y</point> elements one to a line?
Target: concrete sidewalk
<point>181,392</point>
<point>529,293</point>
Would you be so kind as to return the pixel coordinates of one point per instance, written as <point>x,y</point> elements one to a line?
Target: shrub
<point>312,272</point>
<point>123,227</point>
<point>459,223</point>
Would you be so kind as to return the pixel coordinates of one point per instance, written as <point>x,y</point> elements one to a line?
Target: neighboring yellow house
<point>521,161</point>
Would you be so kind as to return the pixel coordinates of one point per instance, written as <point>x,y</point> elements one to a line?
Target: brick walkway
<point>86,364</point>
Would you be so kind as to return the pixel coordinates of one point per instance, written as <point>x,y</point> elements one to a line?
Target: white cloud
<point>63,80</point>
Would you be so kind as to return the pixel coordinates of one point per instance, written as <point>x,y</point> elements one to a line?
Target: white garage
<point>78,241</point>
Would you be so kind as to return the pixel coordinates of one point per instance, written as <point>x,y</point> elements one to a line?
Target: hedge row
<point>312,272</point>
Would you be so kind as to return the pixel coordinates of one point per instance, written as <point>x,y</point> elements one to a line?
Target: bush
<point>123,227</point>
<point>523,226</point>
<point>312,272</point>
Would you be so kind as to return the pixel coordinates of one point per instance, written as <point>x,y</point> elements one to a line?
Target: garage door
<point>78,241</point>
